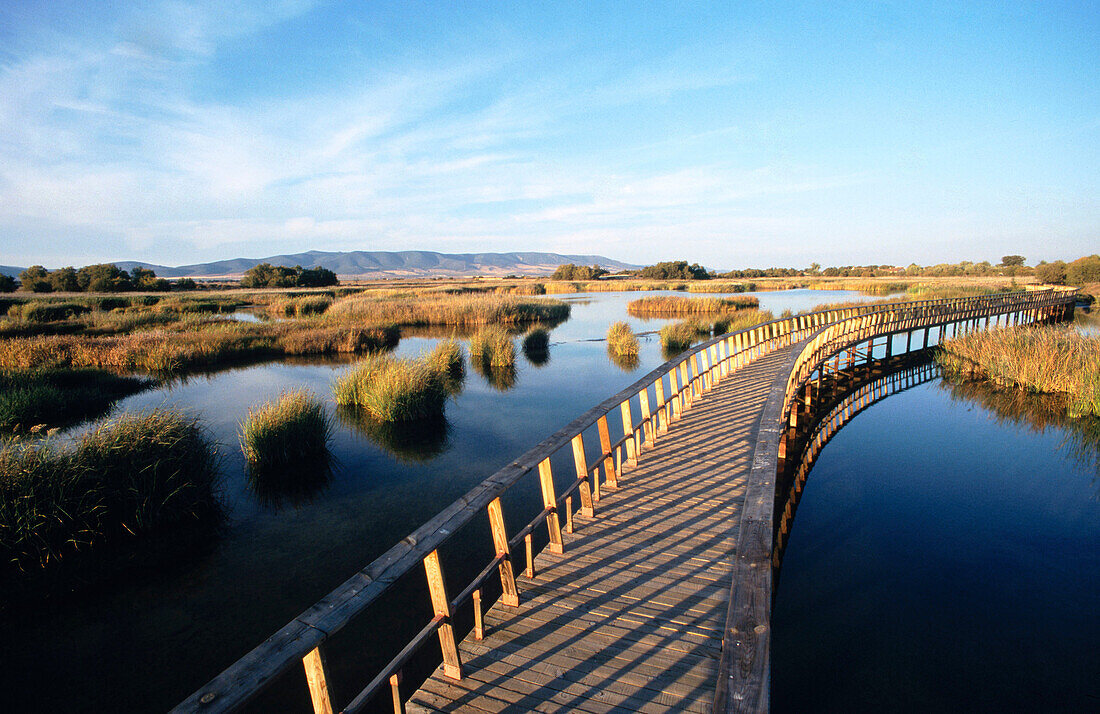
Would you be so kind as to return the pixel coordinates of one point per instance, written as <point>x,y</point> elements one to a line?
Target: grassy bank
<point>1050,359</point>
<point>128,477</point>
<point>675,306</point>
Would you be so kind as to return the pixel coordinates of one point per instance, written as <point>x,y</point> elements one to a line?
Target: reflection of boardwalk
<point>631,616</point>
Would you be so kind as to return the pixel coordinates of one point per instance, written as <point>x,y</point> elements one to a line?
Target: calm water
<point>151,639</point>
<point>159,633</point>
<point>945,556</point>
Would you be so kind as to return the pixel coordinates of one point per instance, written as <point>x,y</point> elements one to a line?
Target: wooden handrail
<point>744,666</point>
<point>690,374</point>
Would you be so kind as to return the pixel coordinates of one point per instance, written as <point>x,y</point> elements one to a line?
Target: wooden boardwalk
<point>631,617</point>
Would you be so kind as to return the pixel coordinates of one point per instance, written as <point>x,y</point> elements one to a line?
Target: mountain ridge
<point>382,264</point>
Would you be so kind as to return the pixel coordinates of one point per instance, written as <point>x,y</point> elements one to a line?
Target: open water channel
<point>943,552</point>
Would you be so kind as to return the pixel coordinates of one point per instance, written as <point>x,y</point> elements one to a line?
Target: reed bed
<point>621,340</point>
<point>1047,359</point>
<point>198,345</point>
<point>868,287</point>
<point>475,309</point>
<point>304,306</point>
<point>286,436</point>
<point>393,390</point>
<point>128,477</point>
<point>33,401</point>
<point>675,306</point>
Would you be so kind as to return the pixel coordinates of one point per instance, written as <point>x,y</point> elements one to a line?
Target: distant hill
<point>384,264</point>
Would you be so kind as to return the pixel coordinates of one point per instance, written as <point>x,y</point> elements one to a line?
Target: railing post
<point>628,432</point>
<point>662,419</point>
<point>675,397</point>
<point>550,502</point>
<point>317,679</point>
<point>581,464</point>
<point>452,665</point>
<point>395,690</point>
<point>611,476</point>
<point>648,436</point>
<point>509,594</point>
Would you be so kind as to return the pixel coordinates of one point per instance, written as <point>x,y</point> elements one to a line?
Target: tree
<point>316,278</point>
<point>103,278</point>
<point>569,271</point>
<point>7,283</point>
<point>675,270</point>
<point>64,280</point>
<point>1084,270</point>
<point>1012,260</point>
<point>1052,273</point>
<point>35,279</point>
<point>184,284</point>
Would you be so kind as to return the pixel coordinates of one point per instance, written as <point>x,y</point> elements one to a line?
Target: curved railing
<point>636,415</point>
<point>744,668</point>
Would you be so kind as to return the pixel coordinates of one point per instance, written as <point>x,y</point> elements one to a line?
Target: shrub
<point>286,438</point>
<point>390,389</point>
<point>127,477</point>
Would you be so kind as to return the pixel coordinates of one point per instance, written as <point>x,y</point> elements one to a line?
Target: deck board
<point>630,617</point>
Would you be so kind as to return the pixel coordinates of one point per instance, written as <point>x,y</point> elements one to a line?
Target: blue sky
<point>732,134</point>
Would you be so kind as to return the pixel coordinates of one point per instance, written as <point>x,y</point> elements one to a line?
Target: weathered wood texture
<point>630,617</point>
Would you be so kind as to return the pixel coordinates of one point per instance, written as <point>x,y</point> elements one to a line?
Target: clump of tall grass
<point>390,389</point>
<point>286,438</point>
<point>428,309</point>
<point>448,359</point>
<point>492,346</point>
<point>739,321</point>
<point>1047,359</point>
<point>671,306</point>
<point>678,336</point>
<point>621,340</point>
<point>536,346</point>
<point>127,477</point>
<point>40,398</point>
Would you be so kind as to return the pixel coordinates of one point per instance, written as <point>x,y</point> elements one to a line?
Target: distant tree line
<point>98,278</point>
<point>1080,272</point>
<point>266,275</point>
<point>568,271</point>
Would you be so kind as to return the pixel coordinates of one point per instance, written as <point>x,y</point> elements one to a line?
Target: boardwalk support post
<point>452,666</point>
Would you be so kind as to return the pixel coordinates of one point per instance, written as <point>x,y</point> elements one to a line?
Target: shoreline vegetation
<point>127,478</point>
<point>675,306</point>
<point>1037,359</point>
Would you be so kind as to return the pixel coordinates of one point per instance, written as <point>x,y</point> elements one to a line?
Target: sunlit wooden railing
<point>744,668</point>
<point>637,416</point>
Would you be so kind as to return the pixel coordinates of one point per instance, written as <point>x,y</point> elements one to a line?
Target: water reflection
<point>412,441</point>
<point>627,362</point>
<point>1038,412</point>
<point>293,485</point>
<point>501,377</point>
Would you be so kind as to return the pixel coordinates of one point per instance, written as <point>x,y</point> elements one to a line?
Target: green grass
<point>40,400</point>
<point>448,359</point>
<point>621,340</point>
<point>128,477</point>
<point>395,390</point>
<point>286,438</point>
<point>1047,359</point>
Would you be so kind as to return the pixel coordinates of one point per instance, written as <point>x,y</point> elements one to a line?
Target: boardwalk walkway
<point>631,617</point>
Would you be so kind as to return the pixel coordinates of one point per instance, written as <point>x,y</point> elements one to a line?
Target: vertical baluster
<point>581,465</point>
<point>549,501</point>
<point>479,626</point>
<point>452,665</point>
<point>611,474</point>
<point>628,431</point>
<point>317,678</point>
<point>662,419</point>
<point>647,427</point>
<point>395,689</point>
<point>509,595</point>
<point>529,546</point>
